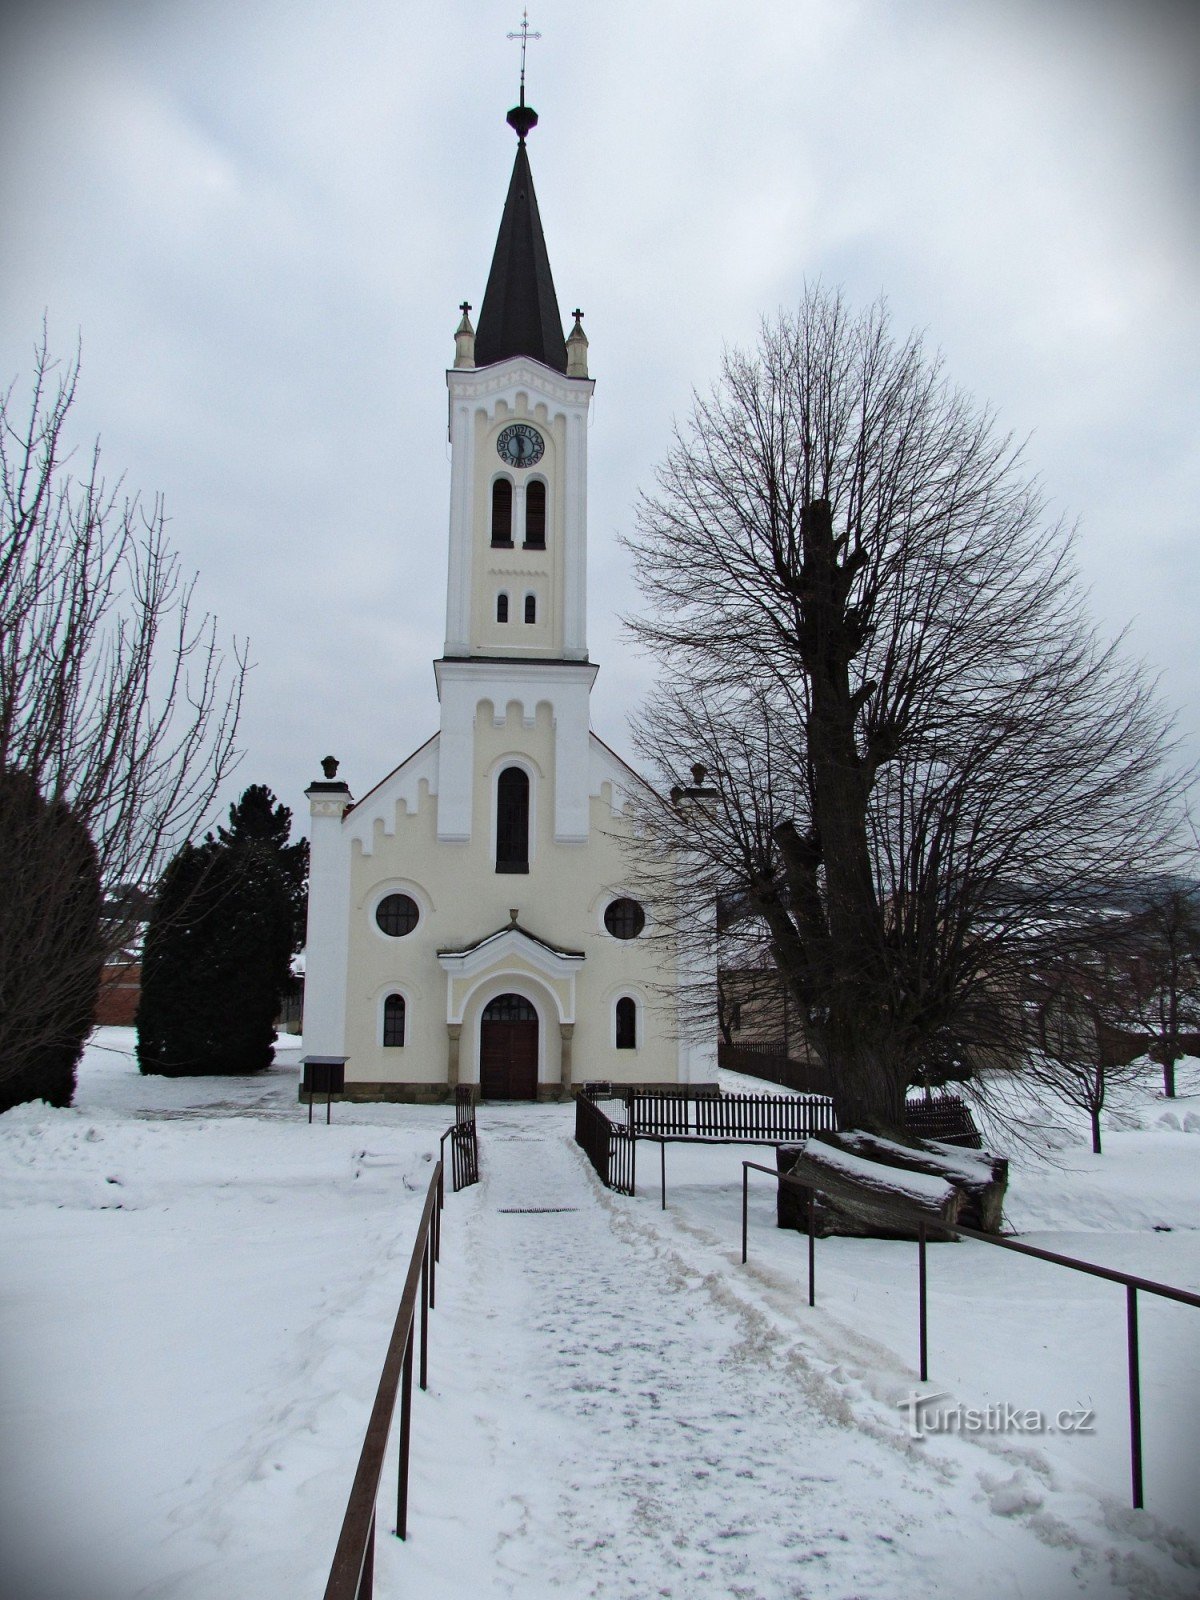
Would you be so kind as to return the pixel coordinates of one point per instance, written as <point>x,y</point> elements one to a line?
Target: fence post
<point>1135,1396</point>
<point>745,1207</point>
<point>433,1260</point>
<point>920,1276</point>
<point>366,1577</point>
<point>405,1430</point>
<point>662,1150</point>
<point>812,1247</point>
<point>425,1259</point>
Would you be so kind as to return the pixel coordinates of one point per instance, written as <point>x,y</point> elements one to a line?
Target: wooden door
<point>508,1049</point>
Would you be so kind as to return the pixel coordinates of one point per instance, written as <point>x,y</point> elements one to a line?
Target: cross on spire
<point>524,34</point>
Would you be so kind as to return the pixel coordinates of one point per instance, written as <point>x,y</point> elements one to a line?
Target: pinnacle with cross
<point>522,117</point>
<point>523,33</point>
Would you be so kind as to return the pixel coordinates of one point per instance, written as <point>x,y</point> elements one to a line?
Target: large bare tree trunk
<point>925,772</point>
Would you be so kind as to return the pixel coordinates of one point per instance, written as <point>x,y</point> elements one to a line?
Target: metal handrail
<point>901,1213</point>
<point>352,1574</point>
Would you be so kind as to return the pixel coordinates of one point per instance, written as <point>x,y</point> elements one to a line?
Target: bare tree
<point>117,705</point>
<point>914,746</point>
<point>1163,965</point>
<point>1076,1011</point>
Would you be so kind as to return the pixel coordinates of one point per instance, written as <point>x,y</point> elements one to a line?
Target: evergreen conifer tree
<point>227,919</point>
<point>51,956</point>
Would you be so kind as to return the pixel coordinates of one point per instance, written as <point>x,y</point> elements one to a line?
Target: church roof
<point>519,316</point>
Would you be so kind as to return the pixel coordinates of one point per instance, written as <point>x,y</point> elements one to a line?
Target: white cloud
<point>263,218</point>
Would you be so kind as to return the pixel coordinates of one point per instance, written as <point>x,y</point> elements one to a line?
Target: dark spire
<point>519,315</point>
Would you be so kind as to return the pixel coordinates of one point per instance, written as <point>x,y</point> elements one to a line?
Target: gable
<point>403,783</point>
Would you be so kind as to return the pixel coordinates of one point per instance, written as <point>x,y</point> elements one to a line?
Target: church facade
<point>472,918</point>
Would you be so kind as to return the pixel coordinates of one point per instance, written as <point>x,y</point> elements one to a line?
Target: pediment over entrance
<point>511,951</point>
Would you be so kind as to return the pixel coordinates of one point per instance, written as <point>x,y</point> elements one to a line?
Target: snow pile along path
<point>607,1418</point>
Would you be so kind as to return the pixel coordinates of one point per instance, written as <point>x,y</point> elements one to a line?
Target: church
<point>472,918</point>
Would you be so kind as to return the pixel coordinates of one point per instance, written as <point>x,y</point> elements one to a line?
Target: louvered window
<point>535,515</point>
<point>502,504</point>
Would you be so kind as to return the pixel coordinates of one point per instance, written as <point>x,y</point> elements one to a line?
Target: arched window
<point>530,608</point>
<point>502,503</point>
<point>626,1023</point>
<point>393,1021</point>
<point>501,608</point>
<point>512,821</point>
<point>535,515</point>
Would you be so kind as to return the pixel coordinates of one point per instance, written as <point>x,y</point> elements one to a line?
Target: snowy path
<point>199,1287</point>
<point>607,1420</point>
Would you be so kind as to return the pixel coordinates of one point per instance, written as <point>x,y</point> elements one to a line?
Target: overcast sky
<point>260,219</point>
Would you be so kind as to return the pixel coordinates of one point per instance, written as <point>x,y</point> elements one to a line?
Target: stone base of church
<point>421,1094</point>
<point>437,1094</point>
<point>424,1094</point>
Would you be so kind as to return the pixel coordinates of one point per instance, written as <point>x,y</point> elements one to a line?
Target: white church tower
<point>471,918</point>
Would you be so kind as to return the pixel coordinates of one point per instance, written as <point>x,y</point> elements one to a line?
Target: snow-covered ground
<point>199,1289</point>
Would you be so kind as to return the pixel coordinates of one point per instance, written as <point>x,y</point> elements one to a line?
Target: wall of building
<point>462,898</point>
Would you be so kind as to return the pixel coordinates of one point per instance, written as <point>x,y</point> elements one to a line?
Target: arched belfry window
<point>502,511</point>
<point>530,608</point>
<point>512,821</point>
<point>535,515</point>
<point>501,608</point>
<point>393,1021</point>
<point>626,1023</point>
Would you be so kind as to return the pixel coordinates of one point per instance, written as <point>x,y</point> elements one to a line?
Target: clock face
<point>520,445</point>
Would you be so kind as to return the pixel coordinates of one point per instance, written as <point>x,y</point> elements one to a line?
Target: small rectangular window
<point>530,608</point>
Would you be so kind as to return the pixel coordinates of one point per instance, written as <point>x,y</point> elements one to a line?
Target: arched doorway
<point>508,1049</point>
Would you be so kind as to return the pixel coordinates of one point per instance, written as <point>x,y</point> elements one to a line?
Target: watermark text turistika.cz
<point>926,1416</point>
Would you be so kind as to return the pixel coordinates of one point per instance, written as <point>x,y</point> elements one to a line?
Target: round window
<point>397,914</point>
<point>624,918</point>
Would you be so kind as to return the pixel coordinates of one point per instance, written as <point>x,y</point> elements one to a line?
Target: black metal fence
<point>1131,1285</point>
<point>943,1116</point>
<point>611,1146</point>
<point>464,1140</point>
<point>735,1118</point>
<point>608,1145</point>
<point>771,1060</point>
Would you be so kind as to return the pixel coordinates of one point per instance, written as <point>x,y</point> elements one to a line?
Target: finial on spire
<point>577,348</point>
<point>464,338</point>
<point>524,35</point>
<point>522,117</point>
